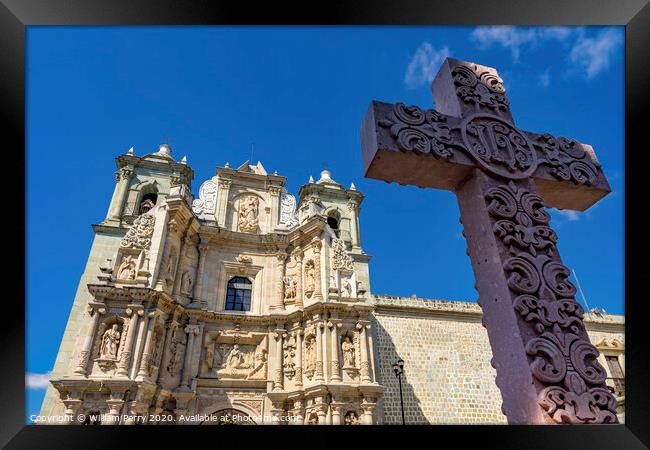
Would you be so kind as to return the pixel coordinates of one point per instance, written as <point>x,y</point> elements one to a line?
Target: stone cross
<point>504,178</point>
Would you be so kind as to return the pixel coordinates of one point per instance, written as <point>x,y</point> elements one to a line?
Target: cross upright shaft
<point>504,177</point>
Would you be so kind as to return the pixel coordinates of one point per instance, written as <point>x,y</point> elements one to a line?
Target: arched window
<point>238,295</point>
<point>334,220</point>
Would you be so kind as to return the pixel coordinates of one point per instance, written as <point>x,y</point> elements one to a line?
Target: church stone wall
<point>447,377</point>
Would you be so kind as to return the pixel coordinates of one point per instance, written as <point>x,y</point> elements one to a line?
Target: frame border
<point>16,15</point>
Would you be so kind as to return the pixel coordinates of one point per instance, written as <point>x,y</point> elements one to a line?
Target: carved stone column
<point>318,276</point>
<point>371,355</point>
<point>321,411</point>
<point>276,412</point>
<point>197,296</point>
<point>298,413</point>
<point>337,409</point>
<point>299,294</point>
<point>368,410</point>
<point>122,177</point>
<point>299,334</point>
<point>278,380</point>
<point>278,299</point>
<point>335,365</point>
<point>125,358</point>
<point>171,326</point>
<point>146,353</point>
<point>86,349</point>
<point>319,352</point>
<point>191,331</point>
<point>115,403</point>
<point>353,206</point>
<point>72,405</point>
<point>363,345</point>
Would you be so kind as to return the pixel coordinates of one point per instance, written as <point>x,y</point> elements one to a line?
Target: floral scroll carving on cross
<point>340,257</point>
<point>480,87</point>
<point>561,359</point>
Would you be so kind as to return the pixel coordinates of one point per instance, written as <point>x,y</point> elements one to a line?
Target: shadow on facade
<point>386,355</point>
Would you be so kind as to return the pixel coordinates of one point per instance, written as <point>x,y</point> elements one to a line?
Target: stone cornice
<point>387,304</point>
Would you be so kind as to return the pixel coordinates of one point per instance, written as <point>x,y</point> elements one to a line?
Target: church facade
<point>249,305</point>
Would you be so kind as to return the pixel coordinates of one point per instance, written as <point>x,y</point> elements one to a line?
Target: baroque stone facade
<point>250,306</point>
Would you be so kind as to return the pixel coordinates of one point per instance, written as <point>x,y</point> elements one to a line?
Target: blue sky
<point>299,94</point>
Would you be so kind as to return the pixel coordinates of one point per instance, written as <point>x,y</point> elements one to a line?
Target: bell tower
<point>143,182</point>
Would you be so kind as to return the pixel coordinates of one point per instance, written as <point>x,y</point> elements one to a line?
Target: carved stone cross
<point>504,177</point>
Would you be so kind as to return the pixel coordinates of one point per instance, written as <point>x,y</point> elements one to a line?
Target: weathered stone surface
<point>546,367</point>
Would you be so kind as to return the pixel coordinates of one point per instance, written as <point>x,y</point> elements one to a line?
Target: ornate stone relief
<point>340,257</point>
<point>289,354</point>
<point>244,259</point>
<point>351,418</point>
<point>561,358</point>
<point>205,206</point>
<point>127,268</point>
<point>237,361</point>
<point>288,216</point>
<point>248,214</point>
<point>139,235</point>
<point>290,287</point>
<point>493,142</point>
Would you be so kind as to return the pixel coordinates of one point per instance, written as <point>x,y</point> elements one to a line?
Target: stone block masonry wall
<point>447,377</point>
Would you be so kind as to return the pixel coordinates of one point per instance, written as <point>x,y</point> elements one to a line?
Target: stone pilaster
<point>278,379</point>
<point>274,192</point>
<point>319,352</point>
<point>197,296</point>
<point>125,358</point>
<point>86,349</point>
<point>299,334</point>
<point>353,206</point>
<point>222,200</point>
<point>298,254</point>
<point>335,365</point>
<point>363,344</point>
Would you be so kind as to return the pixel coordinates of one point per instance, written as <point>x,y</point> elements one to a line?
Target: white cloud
<point>545,78</point>
<point>516,38</point>
<point>570,215</point>
<point>37,380</point>
<point>424,65</point>
<point>593,54</point>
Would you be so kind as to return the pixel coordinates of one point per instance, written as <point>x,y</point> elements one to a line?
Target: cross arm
<point>424,148</point>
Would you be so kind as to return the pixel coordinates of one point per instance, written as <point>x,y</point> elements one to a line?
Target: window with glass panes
<point>238,294</point>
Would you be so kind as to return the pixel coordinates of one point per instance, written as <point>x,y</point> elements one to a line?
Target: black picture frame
<point>16,15</point>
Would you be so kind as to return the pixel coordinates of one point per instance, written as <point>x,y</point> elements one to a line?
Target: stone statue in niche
<point>126,271</point>
<point>361,289</point>
<point>310,356</point>
<point>290,287</point>
<point>333,287</point>
<point>110,342</point>
<point>347,347</point>
<point>346,287</point>
<point>169,267</point>
<point>310,276</point>
<point>177,349</point>
<point>289,355</point>
<point>313,419</point>
<point>186,283</point>
<point>248,214</point>
<point>351,418</point>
